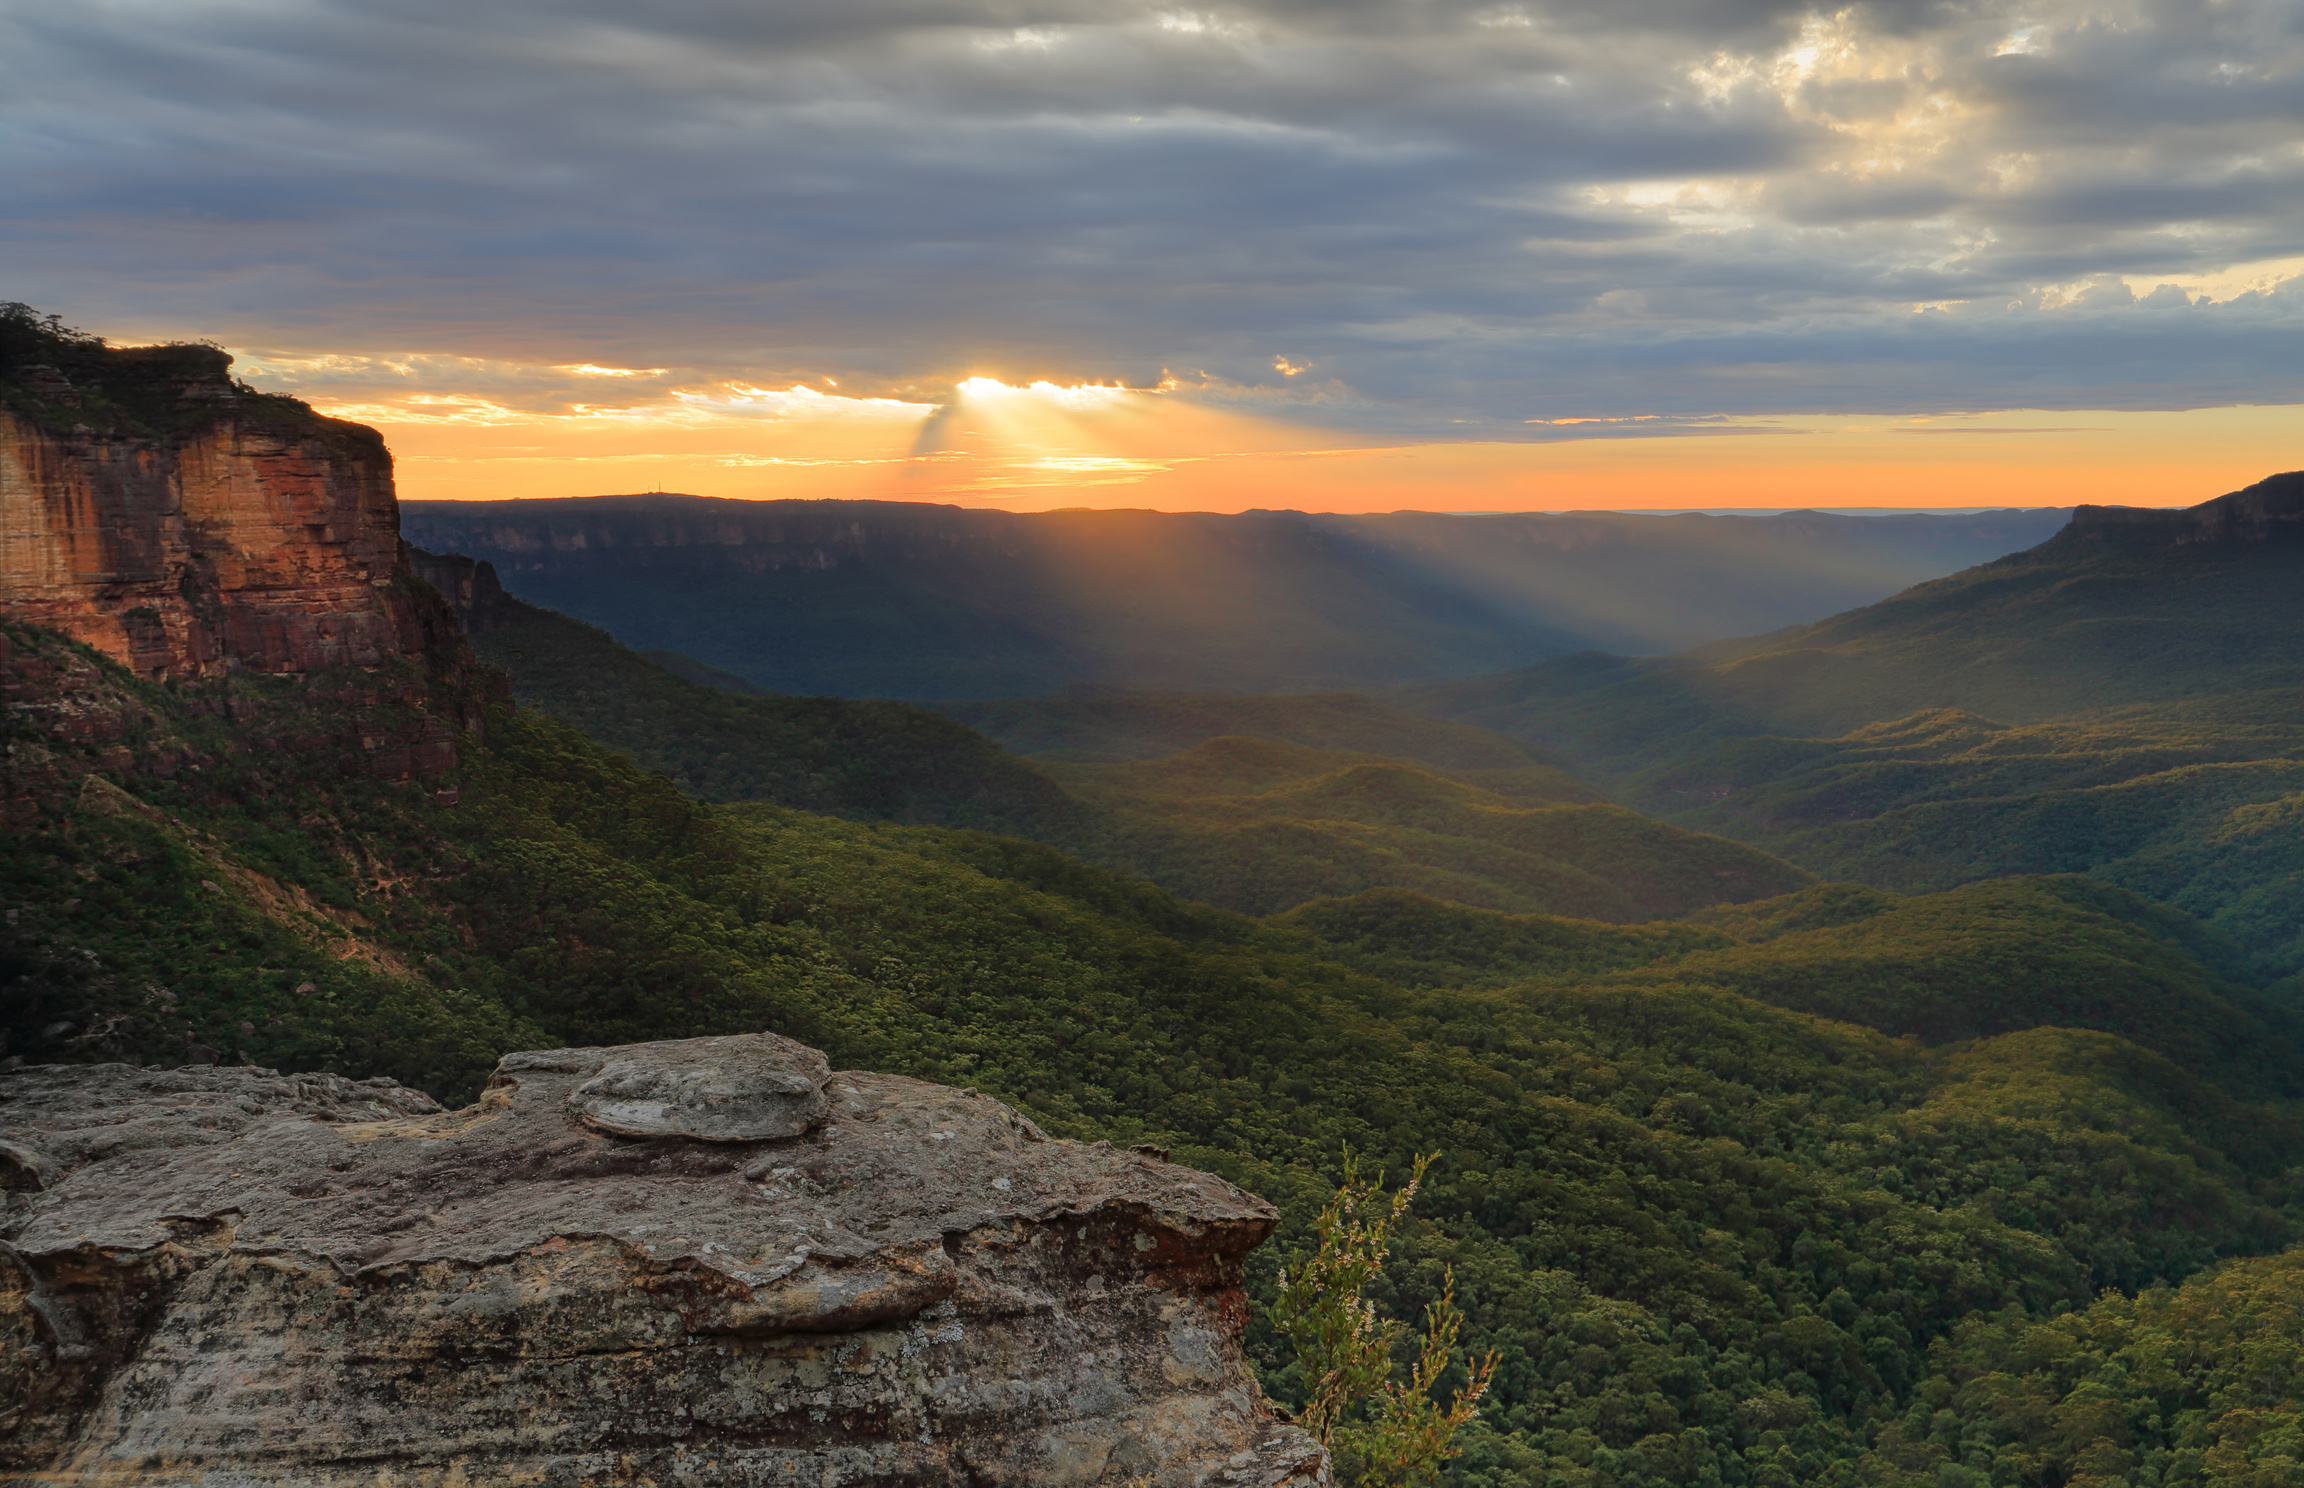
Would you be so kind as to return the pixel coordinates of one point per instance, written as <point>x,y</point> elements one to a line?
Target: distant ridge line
<point>2270,510</point>
<point>867,598</point>
<point>675,499</point>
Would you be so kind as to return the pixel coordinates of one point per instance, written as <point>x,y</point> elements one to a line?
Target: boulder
<point>708,1262</point>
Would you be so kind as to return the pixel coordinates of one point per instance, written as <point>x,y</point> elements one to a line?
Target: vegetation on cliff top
<point>60,379</point>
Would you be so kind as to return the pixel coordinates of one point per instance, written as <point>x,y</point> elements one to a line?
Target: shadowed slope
<point>874,761</point>
<point>1247,824</point>
<point>2125,700</point>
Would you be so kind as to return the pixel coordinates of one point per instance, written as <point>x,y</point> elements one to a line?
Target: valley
<point>1836,1080</point>
<point>878,599</point>
<point>1673,1192</point>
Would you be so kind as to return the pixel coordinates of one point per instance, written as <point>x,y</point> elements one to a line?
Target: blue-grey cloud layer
<point>1447,209</point>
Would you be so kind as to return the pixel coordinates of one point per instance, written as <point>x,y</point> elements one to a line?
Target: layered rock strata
<point>238,531</point>
<point>708,1262</point>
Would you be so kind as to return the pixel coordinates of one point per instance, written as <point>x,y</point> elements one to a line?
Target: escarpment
<point>468,585</point>
<point>712,1262</point>
<point>157,510</point>
<point>196,531</point>
<point>2270,511</point>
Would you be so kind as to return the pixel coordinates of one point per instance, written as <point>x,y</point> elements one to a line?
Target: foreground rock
<point>786,1276</point>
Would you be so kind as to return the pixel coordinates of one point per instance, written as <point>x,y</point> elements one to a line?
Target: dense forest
<point>1832,1185</point>
<point>2125,700</point>
<point>1256,824</point>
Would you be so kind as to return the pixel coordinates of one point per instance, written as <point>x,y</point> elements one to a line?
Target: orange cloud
<point>1042,446</point>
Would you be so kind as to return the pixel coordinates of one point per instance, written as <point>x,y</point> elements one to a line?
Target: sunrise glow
<point>2009,254</point>
<point>1042,444</point>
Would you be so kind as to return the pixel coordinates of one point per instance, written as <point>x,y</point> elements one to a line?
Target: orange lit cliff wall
<point>154,509</point>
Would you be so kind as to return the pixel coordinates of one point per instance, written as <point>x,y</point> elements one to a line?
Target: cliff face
<point>2271,511</point>
<point>155,510</point>
<point>711,1262</point>
<point>469,585</point>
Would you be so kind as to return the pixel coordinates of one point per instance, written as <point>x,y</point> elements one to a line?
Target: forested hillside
<point>1246,824</point>
<point>2126,700</point>
<point>2121,608</point>
<point>1122,726</point>
<point>1263,827</point>
<point>1714,1235</point>
<point>874,761</point>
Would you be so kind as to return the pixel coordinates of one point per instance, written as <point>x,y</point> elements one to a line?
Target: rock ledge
<point>706,1262</point>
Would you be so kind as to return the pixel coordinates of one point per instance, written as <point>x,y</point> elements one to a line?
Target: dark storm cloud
<point>1459,216</point>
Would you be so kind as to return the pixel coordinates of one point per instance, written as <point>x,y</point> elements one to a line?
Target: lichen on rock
<point>714,1261</point>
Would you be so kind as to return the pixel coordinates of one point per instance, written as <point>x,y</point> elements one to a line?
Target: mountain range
<point>1384,799</point>
<point>2124,700</point>
<point>908,600</point>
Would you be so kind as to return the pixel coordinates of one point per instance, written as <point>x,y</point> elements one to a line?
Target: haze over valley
<point>906,600</point>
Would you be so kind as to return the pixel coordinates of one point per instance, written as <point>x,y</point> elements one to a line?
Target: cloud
<point>410,390</point>
<point>1467,218</point>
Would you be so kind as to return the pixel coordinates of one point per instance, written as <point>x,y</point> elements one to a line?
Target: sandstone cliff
<point>157,510</point>
<point>469,586</point>
<point>710,1262</point>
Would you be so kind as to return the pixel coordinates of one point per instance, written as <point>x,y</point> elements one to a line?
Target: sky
<point>1344,256</point>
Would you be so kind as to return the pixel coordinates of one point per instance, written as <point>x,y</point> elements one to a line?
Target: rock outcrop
<point>67,718</point>
<point>155,509</point>
<point>708,1262</point>
<point>469,585</point>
